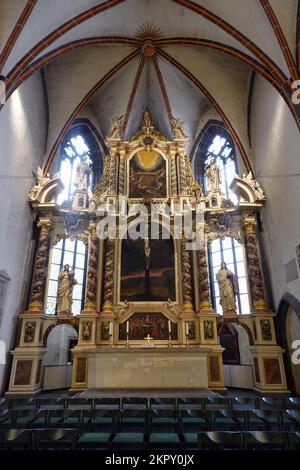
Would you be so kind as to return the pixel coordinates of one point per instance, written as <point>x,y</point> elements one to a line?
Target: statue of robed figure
<point>228,287</point>
<point>66,282</point>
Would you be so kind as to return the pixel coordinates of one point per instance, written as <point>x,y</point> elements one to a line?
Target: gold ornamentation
<point>169,305</point>
<point>87,330</point>
<point>194,189</point>
<point>177,128</point>
<point>29,331</point>
<point>40,266</point>
<point>123,309</point>
<point>101,187</point>
<point>148,31</point>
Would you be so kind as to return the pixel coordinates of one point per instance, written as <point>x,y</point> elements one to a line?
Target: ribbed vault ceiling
<point>197,55</point>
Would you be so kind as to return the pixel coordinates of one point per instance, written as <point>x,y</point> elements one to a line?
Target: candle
<point>169,326</point>
<point>110,329</point>
<point>127,327</point>
<point>187,330</point>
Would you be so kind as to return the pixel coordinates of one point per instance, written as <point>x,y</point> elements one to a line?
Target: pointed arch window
<point>74,253</point>
<point>231,252</point>
<point>216,146</point>
<point>79,144</point>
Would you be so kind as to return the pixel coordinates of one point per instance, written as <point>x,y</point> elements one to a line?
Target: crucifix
<point>148,338</point>
<point>147,251</point>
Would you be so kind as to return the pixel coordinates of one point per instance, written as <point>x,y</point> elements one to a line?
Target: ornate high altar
<point>148,320</point>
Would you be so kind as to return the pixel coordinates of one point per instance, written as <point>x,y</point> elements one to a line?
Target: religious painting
<point>147,270</point>
<point>23,372</point>
<point>272,371</point>
<point>147,175</point>
<point>214,369</point>
<point>156,325</point>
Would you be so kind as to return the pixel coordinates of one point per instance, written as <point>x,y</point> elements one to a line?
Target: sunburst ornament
<point>149,32</point>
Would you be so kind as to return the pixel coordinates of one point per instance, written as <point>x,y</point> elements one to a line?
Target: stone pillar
<point>186,279</point>
<point>109,280</point>
<point>92,269</point>
<point>182,174</point>
<point>254,270</point>
<point>37,294</point>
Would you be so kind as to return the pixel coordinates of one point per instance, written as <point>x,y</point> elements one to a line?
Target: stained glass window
<point>74,253</point>
<point>231,252</point>
<point>74,151</point>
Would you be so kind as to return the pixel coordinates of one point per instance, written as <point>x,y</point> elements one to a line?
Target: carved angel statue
<point>116,129</point>
<point>255,185</point>
<point>41,180</point>
<point>177,128</point>
<point>213,175</point>
<point>147,121</point>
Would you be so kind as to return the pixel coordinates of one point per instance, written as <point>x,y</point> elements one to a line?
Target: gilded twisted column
<point>92,269</point>
<point>182,174</point>
<point>109,276</point>
<point>122,175</point>
<point>255,275</point>
<point>204,288</point>
<point>112,184</point>
<point>173,175</point>
<point>36,303</point>
<point>186,278</point>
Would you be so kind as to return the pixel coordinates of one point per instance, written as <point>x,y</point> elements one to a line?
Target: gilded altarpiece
<point>147,320</point>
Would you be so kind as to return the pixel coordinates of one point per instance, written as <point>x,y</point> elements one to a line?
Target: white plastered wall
<point>22,142</point>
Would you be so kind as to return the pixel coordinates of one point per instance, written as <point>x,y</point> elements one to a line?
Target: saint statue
<point>228,289</point>
<point>116,129</point>
<point>147,121</point>
<point>83,173</point>
<point>213,175</point>
<point>66,282</point>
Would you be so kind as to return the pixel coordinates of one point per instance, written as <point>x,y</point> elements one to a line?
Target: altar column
<point>109,276</point>
<point>182,174</point>
<point>113,172</point>
<point>255,277</point>
<point>204,284</point>
<point>37,294</point>
<point>186,279</point>
<point>93,256</point>
<point>122,168</point>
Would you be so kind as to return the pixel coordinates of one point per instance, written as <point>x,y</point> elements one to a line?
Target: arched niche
<point>287,324</point>
<point>57,362</point>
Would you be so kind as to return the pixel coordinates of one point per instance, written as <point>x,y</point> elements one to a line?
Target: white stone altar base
<point>148,368</point>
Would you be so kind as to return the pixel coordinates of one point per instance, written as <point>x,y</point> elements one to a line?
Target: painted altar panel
<point>143,324</point>
<point>152,280</point>
<point>147,175</point>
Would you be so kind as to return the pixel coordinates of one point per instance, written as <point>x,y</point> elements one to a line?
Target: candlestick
<point>110,329</point>
<point>187,329</point>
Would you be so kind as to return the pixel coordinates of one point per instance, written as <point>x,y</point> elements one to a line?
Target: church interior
<point>150,224</point>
